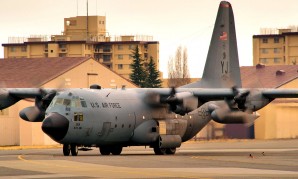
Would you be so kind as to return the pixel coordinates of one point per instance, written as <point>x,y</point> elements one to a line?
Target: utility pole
<point>87,24</point>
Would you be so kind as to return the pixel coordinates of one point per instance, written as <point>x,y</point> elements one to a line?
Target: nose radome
<point>56,126</point>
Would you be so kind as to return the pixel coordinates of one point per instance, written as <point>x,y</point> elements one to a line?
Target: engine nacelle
<point>32,114</point>
<point>169,141</point>
<point>236,117</point>
<point>186,103</point>
<point>6,100</point>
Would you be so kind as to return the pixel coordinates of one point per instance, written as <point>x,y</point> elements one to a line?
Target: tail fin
<point>222,64</point>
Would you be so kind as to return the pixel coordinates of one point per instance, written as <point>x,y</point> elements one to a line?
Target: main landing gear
<point>164,151</point>
<point>70,148</point>
<point>107,150</point>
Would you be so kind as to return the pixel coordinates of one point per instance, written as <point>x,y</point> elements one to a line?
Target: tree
<point>138,74</point>
<point>152,80</point>
<point>178,72</point>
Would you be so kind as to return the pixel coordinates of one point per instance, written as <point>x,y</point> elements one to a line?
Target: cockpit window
<point>58,101</point>
<point>75,103</point>
<point>66,102</point>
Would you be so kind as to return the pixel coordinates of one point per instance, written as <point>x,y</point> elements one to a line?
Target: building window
<point>120,57</point>
<point>107,48</point>
<point>120,47</point>
<point>276,39</point>
<point>264,50</point>
<point>62,46</point>
<point>24,49</point>
<point>276,60</point>
<point>276,50</point>
<point>263,60</point>
<point>12,49</point>
<point>106,58</point>
<point>71,22</point>
<point>131,47</point>
<point>120,66</point>
<point>265,40</point>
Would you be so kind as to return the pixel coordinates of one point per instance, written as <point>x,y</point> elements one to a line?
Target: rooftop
<point>262,76</point>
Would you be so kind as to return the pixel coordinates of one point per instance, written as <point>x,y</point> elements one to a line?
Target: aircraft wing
<point>280,93</point>
<point>202,93</point>
<point>9,96</point>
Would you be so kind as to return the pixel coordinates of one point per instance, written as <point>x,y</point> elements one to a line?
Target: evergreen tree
<point>152,81</point>
<point>138,74</point>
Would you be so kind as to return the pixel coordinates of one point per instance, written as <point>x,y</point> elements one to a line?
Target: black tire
<point>171,151</point>
<point>104,150</point>
<point>74,149</point>
<point>116,150</point>
<point>66,149</point>
<point>159,151</point>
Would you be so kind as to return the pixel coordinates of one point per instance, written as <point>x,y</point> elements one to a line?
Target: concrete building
<point>279,48</point>
<point>86,36</point>
<point>66,72</point>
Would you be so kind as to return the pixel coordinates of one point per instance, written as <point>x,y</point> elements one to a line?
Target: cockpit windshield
<point>75,102</point>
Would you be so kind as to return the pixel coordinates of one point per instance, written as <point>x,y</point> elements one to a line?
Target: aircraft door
<point>106,127</point>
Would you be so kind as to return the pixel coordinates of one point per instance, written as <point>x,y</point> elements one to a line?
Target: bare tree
<point>178,72</point>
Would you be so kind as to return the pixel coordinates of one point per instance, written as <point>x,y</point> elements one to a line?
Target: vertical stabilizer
<point>222,65</point>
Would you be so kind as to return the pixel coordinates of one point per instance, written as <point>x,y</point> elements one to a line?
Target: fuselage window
<point>78,116</point>
<point>84,104</point>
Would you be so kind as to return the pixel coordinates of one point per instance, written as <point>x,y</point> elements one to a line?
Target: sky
<point>186,23</point>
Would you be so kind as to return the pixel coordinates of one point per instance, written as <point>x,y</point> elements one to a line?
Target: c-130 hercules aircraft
<point>115,118</point>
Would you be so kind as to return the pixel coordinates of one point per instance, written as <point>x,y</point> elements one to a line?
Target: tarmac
<point>203,159</point>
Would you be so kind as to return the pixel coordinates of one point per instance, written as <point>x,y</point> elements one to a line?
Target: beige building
<point>276,49</point>
<point>86,36</point>
<point>66,72</point>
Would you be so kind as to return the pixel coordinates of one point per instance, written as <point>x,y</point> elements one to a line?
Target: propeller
<point>239,100</point>
<point>181,102</point>
<point>37,113</point>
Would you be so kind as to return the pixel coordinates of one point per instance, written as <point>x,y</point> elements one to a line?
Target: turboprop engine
<point>182,102</point>
<point>6,99</point>
<point>227,116</point>
<point>37,113</point>
<point>177,102</point>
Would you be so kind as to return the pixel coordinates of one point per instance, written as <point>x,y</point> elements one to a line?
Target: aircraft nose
<point>55,126</point>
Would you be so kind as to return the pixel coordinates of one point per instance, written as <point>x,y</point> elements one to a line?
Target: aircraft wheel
<point>74,149</point>
<point>171,151</point>
<point>159,151</point>
<point>66,149</point>
<point>116,150</point>
<point>104,150</point>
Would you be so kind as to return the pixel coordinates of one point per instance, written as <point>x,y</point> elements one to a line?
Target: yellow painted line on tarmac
<point>29,147</point>
<point>119,169</point>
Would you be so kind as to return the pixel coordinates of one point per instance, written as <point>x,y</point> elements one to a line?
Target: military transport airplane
<point>115,118</point>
